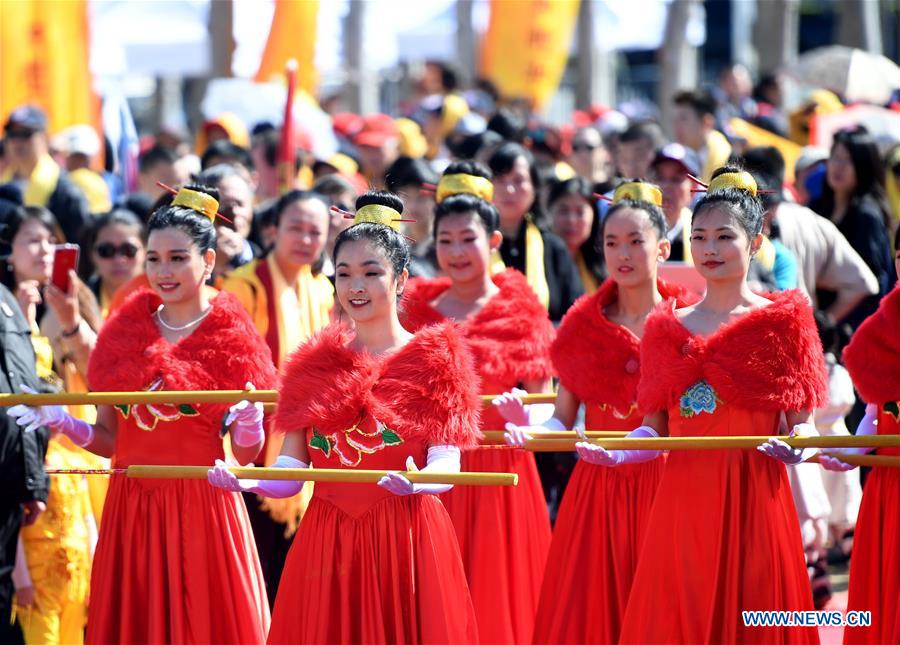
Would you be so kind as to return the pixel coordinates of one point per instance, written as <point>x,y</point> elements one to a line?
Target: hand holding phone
<point>65,259</point>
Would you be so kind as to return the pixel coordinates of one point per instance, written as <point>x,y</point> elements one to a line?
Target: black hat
<point>30,117</point>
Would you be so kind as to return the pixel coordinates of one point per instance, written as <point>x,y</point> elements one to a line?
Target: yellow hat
<point>412,141</point>
<point>463,184</point>
<point>742,180</point>
<point>197,201</point>
<point>639,191</point>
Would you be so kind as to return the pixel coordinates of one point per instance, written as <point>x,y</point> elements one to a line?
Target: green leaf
<point>893,409</point>
<point>124,409</point>
<point>321,442</point>
<point>187,410</point>
<point>390,438</point>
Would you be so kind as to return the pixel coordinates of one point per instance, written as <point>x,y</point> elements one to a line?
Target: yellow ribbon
<point>534,262</point>
<point>588,281</point>
<point>463,184</point>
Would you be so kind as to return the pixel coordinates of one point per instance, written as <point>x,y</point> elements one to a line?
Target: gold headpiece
<point>197,201</point>
<point>379,214</point>
<point>742,180</point>
<point>639,191</point>
<point>463,184</point>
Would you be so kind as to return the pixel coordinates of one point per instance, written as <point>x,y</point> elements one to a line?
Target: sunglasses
<point>19,134</point>
<point>584,147</point>
<point>108,250</point>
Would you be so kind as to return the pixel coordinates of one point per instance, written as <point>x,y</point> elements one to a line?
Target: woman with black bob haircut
<point>373,397</point>
<point>528,245</point>
<point>509,333</point>
<point>162,561</point>
<point>853,197</point>
<point>575,218</point>
<point>733,364</point>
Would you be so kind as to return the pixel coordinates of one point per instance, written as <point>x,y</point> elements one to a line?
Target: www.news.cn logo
<point>807,618</point>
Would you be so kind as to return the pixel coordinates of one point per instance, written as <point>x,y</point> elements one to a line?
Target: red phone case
<point>65,258</point>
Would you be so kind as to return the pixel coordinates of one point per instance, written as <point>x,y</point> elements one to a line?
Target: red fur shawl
<point>223,353</point>
<point>873,355</point>
<point>510,337</point>
<point>426,389</point>
<point>770,359</point>
<point>598,360</point>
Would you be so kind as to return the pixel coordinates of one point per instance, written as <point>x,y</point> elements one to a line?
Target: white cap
<point>78,139</point>
<point>809,156</point>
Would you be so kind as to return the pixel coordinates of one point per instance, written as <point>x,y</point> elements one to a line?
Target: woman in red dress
<point>168,547</point>
<point>722,536</point>
<point>504,532</point>
<point>373,564</point>
<point>602,518</point>
<point>873,360</point>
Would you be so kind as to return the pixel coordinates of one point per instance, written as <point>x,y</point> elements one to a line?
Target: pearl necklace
<point>180,327</point>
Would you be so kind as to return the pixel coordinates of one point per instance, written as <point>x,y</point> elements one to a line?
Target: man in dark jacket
<point>41,180</point>
<point>23,482</point>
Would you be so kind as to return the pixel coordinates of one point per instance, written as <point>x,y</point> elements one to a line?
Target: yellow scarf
<point>302,311</point>
<point>534,262</point>
<point>41,183</point>
<point>588,281</point>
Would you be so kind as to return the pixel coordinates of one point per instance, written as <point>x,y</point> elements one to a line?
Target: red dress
<point>873,360</point>
<point>504,532</point>
<point>367,566</point>
<point>176,561</point>
<point>601,521</point>
<point>723,536</point>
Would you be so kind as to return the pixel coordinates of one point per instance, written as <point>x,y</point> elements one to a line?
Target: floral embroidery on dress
<point>700,397</point>
<point>147,415</point>
<point>367,436</point>
<point>892,408</point>
<point>603,407</point>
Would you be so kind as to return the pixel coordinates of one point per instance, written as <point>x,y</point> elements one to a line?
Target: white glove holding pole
<point>220,477</point>
<point>54,417</point>
<point>444,459</point>
<point>248,422</point>
<point>594,454</point>
<point>868,426</point>
<point>783,452</point>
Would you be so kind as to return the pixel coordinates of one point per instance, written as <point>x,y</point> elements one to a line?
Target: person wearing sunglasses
<point>117,254</point>
<point>590,158</point>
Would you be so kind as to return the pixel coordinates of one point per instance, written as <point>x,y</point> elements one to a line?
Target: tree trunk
<point>677,60</point>
<point>362,82</point>
<point>859,25</point>
<point>776,33</point>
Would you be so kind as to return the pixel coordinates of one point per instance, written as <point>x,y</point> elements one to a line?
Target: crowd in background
<point>829,233</point>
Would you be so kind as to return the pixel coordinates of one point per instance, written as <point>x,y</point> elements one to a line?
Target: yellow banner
<point>44,53</point>
<point>758,137</point>
<point>527,45</point>
<point>292,35</point>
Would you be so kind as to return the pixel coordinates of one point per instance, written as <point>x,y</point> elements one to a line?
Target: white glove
<point>54,417</point>
<point>778,449</point>
<point>518,435</point>
<point>443,459</point>
<point>220,477</point>
<point>248,422</point>
<point>594,454</point>
<point>510,406</point>
<point>867,426</point>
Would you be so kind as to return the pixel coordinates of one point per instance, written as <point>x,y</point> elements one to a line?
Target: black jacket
<point>562,274</point>
<point>22,476</point>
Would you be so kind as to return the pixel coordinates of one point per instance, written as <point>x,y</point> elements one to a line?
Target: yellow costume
<point>285,317</point>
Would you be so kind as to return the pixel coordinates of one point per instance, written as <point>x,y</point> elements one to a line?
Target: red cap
<point>347,124</point>
<point>377,130</point>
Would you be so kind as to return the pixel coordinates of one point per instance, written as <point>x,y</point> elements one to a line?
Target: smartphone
<point>65,259</point>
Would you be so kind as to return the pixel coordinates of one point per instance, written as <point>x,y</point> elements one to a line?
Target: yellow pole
<point>326,475</point>
<point>175,397</point>
<point>496,436</point>
<point>716,443</point>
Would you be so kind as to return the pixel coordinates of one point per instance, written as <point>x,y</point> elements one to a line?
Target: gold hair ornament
<point>375,214</point>
<point>195,200</point>
<point>464,184</point>
<point>639,191</point>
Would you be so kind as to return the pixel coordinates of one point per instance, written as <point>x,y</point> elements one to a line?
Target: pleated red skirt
<point>504,536</point>
<point>599,529</point>
<point>389,575</point>
<point>722,538</point>
<point>175,563</point>
<point>875,564</point>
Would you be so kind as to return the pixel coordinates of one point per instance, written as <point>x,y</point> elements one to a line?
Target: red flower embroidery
<point>146,416</point>
<point>367,436</point>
